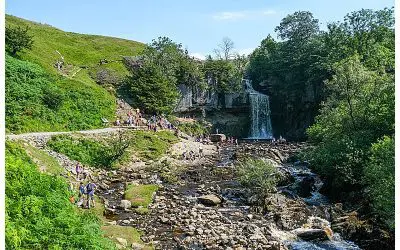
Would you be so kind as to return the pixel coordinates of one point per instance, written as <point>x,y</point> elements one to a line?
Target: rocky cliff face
<point>293,110</point>
<point>228,112</point>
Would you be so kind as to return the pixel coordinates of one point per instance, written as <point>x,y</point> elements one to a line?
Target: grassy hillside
<point>77,49</point>
<point>39,97</point>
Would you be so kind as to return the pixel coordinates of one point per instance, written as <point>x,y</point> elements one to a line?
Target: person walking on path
<point>90,187</point>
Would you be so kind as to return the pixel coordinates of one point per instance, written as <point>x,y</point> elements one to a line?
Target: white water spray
<point>261,127</point>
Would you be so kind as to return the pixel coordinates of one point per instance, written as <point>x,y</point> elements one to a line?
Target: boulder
<point>217,137</point>
<point>306,186</point>
<point>125,204</point>
<point>312,234</point>
<point>210,200</point>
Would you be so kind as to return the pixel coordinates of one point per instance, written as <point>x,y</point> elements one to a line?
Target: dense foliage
<point>291,72</point>
<point>350,133</point>
<point>17,39</point>
<point>380,178</point>
<point>36,101</point>
<point>94,153</point>
<point>340,81</point>
<point>112,151</point>
<point>156,75</point>
<point>38,212</point>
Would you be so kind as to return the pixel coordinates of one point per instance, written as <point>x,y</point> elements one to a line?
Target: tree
<point>299,26</point>
<point>17,39</point>
<point>151,89</point>
<point>225,49</point>
<point>380,177</point>
<point>359,111</point>
<point>156,74</point>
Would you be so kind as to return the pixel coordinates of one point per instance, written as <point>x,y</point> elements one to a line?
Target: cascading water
<point>261,127</point>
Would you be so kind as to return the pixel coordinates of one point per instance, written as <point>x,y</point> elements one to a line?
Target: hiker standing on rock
<point>90,187</point>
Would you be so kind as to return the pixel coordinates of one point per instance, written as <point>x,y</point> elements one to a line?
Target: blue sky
<point>198,25</point>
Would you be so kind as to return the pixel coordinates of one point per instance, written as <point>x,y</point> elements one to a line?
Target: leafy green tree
<point>17,39</point>
<point>299,26</point>
<point>156,74</point>
<point>151,90</point>
<point>359,111</point>
<point>380,178</point>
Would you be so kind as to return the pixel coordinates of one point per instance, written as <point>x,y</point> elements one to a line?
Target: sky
<point>199,25</point>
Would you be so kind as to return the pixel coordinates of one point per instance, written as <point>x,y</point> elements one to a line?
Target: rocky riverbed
<point>206,208</point>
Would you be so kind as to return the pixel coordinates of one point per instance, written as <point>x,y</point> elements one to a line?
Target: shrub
<point>380,178</point>
<point>103,154</point>
<point>258,175</point>
<point>18,39</point>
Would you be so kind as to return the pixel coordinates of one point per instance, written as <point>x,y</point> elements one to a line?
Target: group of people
<point>133,119</point>
<point>88,191</point>
<point>84,190</point>
<point>191,155</point>
<point>232,140</point>
<point>279,140</point>
<point>156,122</point>
<point>205,139</point>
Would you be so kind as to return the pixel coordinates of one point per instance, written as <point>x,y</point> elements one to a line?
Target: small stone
<point>125,204</point>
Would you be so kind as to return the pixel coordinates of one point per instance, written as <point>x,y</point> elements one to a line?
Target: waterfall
<point>260,113</point>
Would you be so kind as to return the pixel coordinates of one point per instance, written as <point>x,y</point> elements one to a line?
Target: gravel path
<point>45,134</point>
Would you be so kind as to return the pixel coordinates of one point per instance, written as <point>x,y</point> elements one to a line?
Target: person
<point>90,187</point>
<point>81,194</point>
<point>201,151</point>
<point>118,123</point>
<point>218,148</point>
<point>78,170</point>
<point>236,142</point>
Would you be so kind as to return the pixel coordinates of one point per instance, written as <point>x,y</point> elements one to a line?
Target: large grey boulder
<point>209,200</point>
<point>312,234</point>
<point>217,137</point>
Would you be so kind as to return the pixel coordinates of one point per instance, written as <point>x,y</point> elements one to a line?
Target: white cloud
<point>244,14</point>
<point>198,56</point>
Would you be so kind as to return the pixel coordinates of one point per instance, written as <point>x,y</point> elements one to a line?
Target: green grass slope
<point>40,98</point>
<point>77,49</point>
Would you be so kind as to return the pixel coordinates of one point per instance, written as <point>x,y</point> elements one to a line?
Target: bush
<point>258,175</point>
<point>104,76</point>
<point>18,39</point>
<point>38,212</point>
<point>103,154</point>
<point>380,178</point>
<point>195,128</point>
